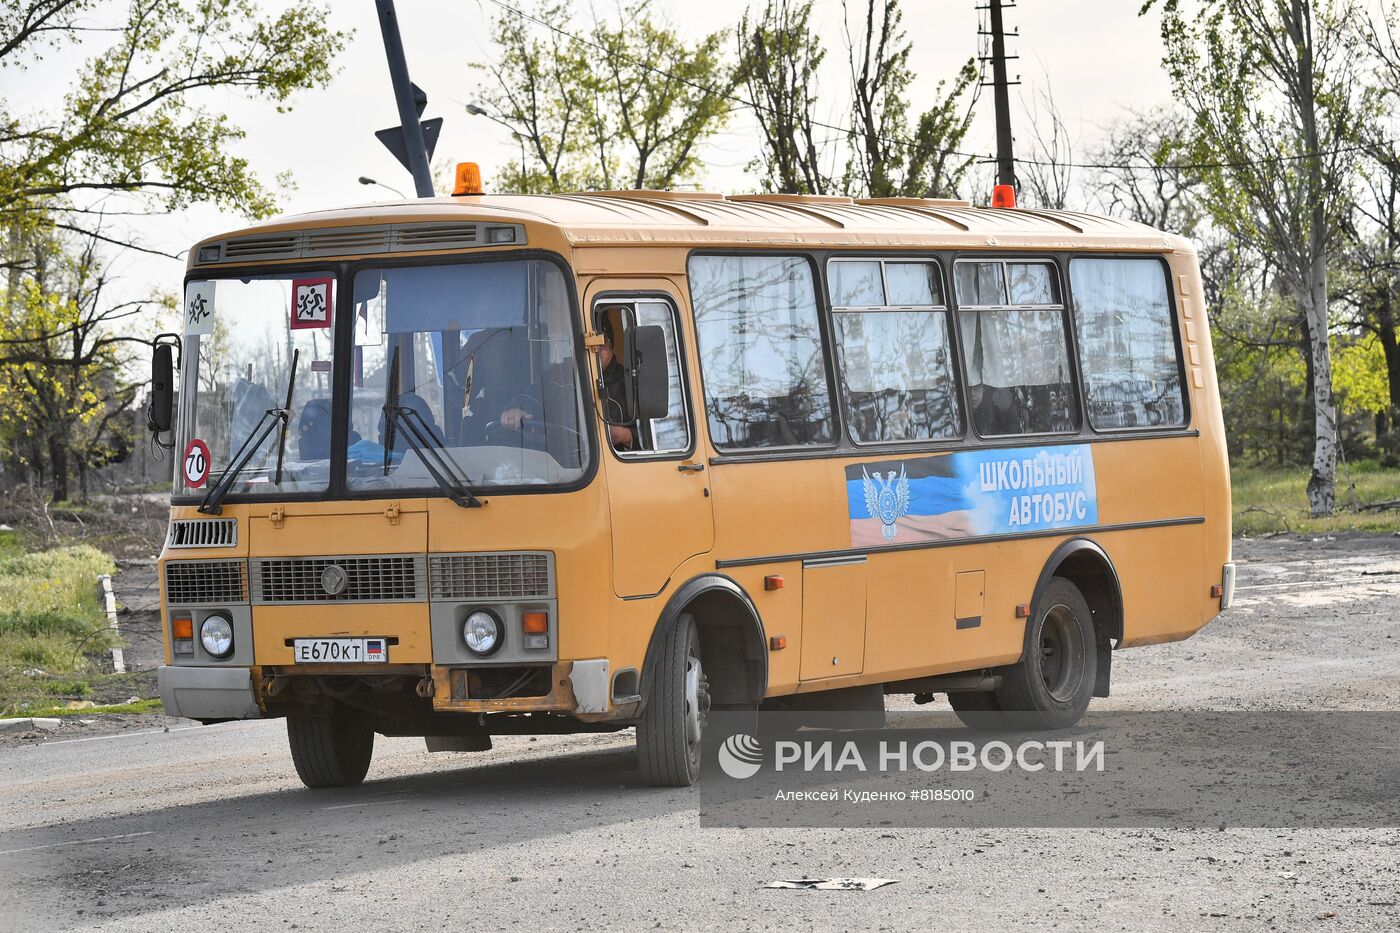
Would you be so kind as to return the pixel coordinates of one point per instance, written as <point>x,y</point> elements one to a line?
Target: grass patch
<point>50,622</point>
<point>1273,499</point>
<point>139,707</point>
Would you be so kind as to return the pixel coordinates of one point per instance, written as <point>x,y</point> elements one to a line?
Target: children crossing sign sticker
<point>196,463</point>
<point>199,308</point>
<point>311,303</point>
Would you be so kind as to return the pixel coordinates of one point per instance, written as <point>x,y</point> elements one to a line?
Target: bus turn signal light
<point>777,643</point>
<point>773,582</point>
<point>1023,611</point>
<point>182,627</point>
<point>1217,591</point>
<point>1003,196</point>
<point>468,180</point>
<point>535,623</point>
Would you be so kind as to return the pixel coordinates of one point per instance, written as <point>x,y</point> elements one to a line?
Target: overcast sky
<point>1099,57</point>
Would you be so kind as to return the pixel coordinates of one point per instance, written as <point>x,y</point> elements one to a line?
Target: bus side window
<point>1127,343</point>
<point>1015,348</point>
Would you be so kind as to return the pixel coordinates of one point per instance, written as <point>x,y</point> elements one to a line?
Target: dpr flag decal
<point>971,493</point>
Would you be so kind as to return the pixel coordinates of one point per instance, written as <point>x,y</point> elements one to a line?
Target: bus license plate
<point>340,650</point>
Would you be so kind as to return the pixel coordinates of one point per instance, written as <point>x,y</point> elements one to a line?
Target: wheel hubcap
<point>1061,654</point>
<point>697,701</point>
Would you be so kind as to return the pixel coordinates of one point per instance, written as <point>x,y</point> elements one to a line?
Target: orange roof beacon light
<point>1002,195</point>
<point>468,180</point>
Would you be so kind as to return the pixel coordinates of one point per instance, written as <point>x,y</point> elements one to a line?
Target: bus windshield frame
<point>340,377</point>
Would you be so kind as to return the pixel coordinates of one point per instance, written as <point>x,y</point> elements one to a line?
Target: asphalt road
<point>208,828</point>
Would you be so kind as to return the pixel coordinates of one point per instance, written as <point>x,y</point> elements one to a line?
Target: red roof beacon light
<point>1003,196</point>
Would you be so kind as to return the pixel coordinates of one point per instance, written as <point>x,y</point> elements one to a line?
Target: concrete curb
<point>29,724</point>
<point>109,605</point>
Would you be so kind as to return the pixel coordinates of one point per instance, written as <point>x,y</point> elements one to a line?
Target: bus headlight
<point>482,632</point>
<point>216,632</point>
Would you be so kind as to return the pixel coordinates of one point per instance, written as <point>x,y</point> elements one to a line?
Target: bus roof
<point>700,219</point>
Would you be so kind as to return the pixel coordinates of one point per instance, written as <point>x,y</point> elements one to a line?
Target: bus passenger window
<point>760,351</point>
<point>1015,349</point>
<point>895,353</point>
<point>1127,346</point>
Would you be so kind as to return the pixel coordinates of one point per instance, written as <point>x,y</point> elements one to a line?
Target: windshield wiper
<point>441,467</point>
<point>251,444</point>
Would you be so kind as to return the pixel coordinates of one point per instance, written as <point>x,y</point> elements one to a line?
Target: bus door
<point>658,488</point>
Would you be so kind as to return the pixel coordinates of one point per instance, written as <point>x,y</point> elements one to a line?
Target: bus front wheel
<point>1050,686</point>
<point>670,730</point>
<point>330,751</point>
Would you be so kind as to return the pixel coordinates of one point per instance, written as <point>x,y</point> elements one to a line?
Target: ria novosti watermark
<point>1113,769</point>
<point>740,756</point>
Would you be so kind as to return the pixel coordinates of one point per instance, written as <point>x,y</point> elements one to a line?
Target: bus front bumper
<point>207,692</point>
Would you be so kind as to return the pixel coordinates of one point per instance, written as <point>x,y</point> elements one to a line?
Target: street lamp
<point>366,180</point>
<point>476,110</point>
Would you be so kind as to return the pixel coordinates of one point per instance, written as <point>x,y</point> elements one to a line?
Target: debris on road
<point>833,884</point>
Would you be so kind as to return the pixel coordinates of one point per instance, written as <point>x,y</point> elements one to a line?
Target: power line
<point>982,158</point>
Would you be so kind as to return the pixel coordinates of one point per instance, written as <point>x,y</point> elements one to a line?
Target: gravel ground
<point>208,827</point>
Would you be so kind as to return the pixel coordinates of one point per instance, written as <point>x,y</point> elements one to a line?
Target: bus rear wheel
<point>1050,687</point>
<point>330,751</point>
<point>672,725</point>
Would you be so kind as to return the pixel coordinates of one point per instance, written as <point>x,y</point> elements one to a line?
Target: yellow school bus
<point>486,465</point>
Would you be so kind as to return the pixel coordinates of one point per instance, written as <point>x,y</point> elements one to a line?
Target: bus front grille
<point>378,579</point>
<point>204,582</point>
<point>518,575</point>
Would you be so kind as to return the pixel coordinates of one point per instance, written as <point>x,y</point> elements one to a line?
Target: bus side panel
<point>1209,420</point>
<point>572,525</point>
<point>1159,568</point>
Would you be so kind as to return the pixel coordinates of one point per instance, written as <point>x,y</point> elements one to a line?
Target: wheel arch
<point>732,643</point>
<point>1085,563</point>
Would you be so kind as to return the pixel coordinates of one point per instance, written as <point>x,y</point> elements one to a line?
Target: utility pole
<point>415,149</point>
<point>1006,162</point>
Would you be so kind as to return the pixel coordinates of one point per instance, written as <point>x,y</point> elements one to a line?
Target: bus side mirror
<point>651,385</point>
<point>160,415</point>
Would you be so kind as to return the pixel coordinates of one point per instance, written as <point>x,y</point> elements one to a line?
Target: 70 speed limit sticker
<point>196,463</point>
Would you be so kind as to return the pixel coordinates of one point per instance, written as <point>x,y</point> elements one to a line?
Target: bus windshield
<point>484,354</point>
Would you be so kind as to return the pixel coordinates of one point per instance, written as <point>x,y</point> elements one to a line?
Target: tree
<point>1275,96</point>
<point>539,90</point>
<point>63,390</point>
<point>137,133</point>
<point>624,104</point>
<point>656,97</point>
<point>131,124</point>
<point>779,57</point>
<point>1049,170</point>
<point>886,160</point>
<point>1144,180</point>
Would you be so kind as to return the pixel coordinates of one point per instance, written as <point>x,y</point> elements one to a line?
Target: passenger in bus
<point>621,436</point>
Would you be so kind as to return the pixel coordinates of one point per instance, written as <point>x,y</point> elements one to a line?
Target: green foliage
<point>627,107</point>
<point>50,620</point>
<point>130,122</point>
<point>1268,500</point>
<point>886,159</point>
<point>779,57</point>
<point>1279,106</point>
<point>140,708</point>
<point>1360,376</point>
